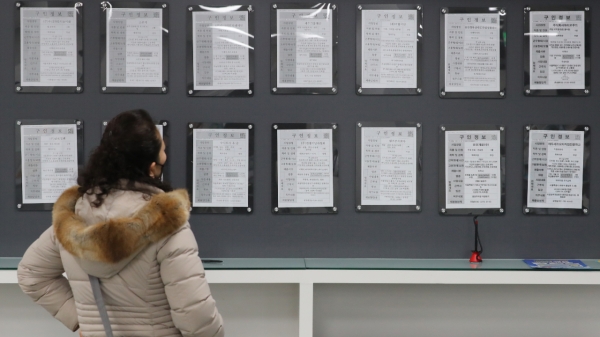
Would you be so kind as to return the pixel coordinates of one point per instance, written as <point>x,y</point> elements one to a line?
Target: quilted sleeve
<point>193,308</point>
<point>40,276</point>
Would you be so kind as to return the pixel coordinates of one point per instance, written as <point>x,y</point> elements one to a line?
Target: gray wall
<point>347,234</point>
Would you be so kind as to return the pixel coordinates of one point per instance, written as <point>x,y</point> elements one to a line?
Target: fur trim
<point>115,239</point>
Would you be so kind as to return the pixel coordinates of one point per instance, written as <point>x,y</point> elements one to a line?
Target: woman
<point>130,230</point>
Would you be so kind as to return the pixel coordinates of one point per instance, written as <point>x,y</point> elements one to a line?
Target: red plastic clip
<point>475,257</point>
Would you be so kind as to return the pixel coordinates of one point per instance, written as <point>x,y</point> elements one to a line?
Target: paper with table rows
<point>304,48</point>
<point>134,47</point>
<point>389,166</point>
<point>473,169</point>
<point>305,168</point>
<point>220,168</point>
<point>389,48</point>
<point>555,177</point>
<point>48,161</point>
<point>48,47</point>
<point>221,51</point>
<point>472,55</point>
<point>557,50</point>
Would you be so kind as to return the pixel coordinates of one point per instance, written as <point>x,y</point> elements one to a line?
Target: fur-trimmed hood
<point>103,240</point>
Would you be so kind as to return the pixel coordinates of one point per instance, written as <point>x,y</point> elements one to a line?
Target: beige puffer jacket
<point>140,245</point>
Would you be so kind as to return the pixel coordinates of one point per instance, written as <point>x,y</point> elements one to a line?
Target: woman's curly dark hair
<point>129,145</point>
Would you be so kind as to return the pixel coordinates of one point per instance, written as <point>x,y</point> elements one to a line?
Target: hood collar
<point>114,240</point>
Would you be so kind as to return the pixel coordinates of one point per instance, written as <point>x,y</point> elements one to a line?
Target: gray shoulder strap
<point>95,282</point>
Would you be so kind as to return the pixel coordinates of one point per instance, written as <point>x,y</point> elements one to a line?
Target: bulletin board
<point>347,233</point>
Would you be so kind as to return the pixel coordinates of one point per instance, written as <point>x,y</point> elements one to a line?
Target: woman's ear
<point>151,170</point>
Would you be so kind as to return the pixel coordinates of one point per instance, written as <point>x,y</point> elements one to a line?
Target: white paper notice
<point>48,161</point>
<point>48,47</point>
<point>304,48</point>
<point>221,56</point>
<point>389,49</point>
<point>557,50</point>
<point>473,176</point>
<point>555,178</point>
<point>134,47</point>
<point>220,168</point>
<point>160,129</point>
<point>472,52</point>
<point>389,166</point>
<point>305,168</point>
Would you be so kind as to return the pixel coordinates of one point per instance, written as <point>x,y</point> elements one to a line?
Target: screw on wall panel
<point>105,123</point>
<point>78,88</point>
<point>528,128</point>
<point>334,89</point>
<point>276,209</point>
<point>359,207</point>
<point>103,88</point>
<point>18,88</point>
<point>587,8</point>
<point>249,209</point>
<point>587,128</point>
<point>164,6</point>
<point>443,93</point>
<point>275,126</point>
<point>249,92</point>
<point>250,9</point>
<point>334,126</point>
<point>418,125</point>
<point>18,4</point>
<point>18,205</point>
<point>190,9</point>
<point>164,89</point>
<point>359,90</point>
<point>18,122</point>
<point>501,210</point>
<point>419,90</point>
<point>502,93</point>
<point>274,6</point>
<point>418,8</point>
<point>443,210</point>
<point>190,92</point>
<point>443,128</point>
<point>526,210</point>
<point>191,126</point>
<point>359,7</point>
<point>164,123</point>
<point>501,128</point>
<point>359,125</point>
<point>274,89</point>
<point>334,7</point>
<point>502,12</point>
<point>586,91</point>
<point>78,123</point>
<point>79,4</point>
<point>585,210</point>
<point>527,8</point>
<point>250,126</point>
<point>335,209</point>
<point>527,91</point>
<point>418,208</point>
<point>444,10</point>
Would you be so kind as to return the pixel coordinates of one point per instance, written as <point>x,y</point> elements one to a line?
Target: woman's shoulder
<point>182,241</point>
